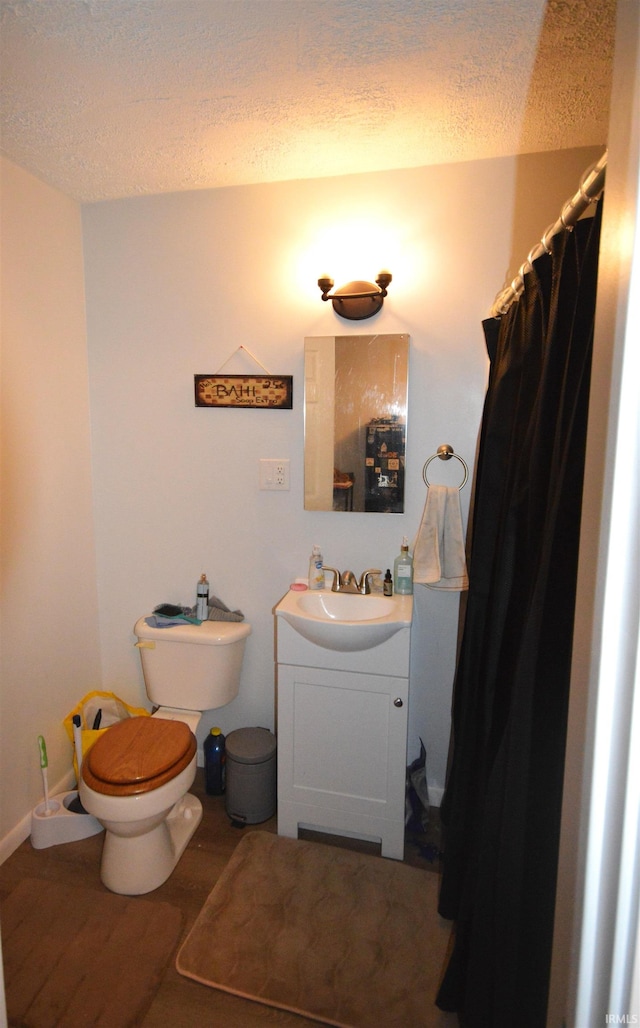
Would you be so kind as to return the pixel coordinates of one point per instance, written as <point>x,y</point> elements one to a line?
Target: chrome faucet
<point>349,582</point>
<point>364,585</point>
<point>346,582</point>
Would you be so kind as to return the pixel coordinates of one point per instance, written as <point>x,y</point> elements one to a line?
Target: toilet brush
<point>44,763</point>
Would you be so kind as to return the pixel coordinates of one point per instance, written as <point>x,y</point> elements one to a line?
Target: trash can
<point>251,775</point>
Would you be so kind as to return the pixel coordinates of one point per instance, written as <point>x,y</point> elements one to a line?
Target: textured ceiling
<point>115,98</point>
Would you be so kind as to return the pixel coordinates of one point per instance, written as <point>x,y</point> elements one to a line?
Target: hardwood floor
<point>179,1002</point>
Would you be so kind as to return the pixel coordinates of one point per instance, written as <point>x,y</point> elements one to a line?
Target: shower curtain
<point>502,804</point>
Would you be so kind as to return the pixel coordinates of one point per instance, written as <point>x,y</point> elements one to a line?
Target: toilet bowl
<point>135,779</point>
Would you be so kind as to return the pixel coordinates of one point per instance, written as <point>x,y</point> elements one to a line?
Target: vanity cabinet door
<point>342,750</point>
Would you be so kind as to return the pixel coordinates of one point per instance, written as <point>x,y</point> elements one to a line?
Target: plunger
<point>76,806</point>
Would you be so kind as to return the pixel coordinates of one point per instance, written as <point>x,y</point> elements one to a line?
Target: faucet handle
<point>337,579</point>
<point>364,585</point>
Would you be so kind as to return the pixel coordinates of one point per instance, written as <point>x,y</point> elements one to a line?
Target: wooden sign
<point>257,391</point>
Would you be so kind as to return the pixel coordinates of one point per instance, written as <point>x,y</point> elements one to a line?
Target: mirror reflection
<point>355,422</point>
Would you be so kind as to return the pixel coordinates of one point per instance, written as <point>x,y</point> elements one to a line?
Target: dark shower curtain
<point>502,803</point>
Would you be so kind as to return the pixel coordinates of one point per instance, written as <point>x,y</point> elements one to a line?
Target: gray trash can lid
<point>251,745</point>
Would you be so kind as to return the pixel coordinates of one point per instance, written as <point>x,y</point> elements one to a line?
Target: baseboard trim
<point>22,830</point>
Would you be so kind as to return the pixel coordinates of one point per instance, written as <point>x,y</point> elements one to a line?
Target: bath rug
<point>79,957</point>
<point>343,938</point>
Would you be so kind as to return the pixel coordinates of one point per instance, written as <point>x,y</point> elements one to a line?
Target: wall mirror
<point>355,422</point>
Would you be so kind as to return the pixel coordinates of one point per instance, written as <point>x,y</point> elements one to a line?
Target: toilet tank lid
<point>209,633</point>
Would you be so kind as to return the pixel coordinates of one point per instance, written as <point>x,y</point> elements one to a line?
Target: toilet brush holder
<point>54,822</point>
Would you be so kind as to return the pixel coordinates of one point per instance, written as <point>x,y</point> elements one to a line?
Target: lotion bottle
<point>316,574</point>
<point>403,570</point>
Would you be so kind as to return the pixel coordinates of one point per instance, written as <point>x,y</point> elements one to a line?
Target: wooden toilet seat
<point>137,755</point>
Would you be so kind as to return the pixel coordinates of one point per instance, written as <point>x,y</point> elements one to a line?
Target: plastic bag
<point>417,796</point>
<point>104,707</point>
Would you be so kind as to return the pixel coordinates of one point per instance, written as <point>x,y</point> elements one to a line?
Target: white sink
<point>345,621</point>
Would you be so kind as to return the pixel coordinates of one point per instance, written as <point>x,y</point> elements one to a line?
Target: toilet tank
<point>195,667</point>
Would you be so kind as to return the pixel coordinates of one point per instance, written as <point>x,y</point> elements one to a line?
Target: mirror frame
<point>355,422</point>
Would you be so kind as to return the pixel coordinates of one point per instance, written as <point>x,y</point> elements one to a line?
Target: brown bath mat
<point>341,937</point>
<point>78,957</point>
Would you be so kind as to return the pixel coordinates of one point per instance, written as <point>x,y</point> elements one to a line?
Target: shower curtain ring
<point>548,229</point>
<point>566,210</point>
<point>525,268</point>
<point>585,195</point>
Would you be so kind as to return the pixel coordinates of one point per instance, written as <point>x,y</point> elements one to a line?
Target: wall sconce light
<point>357,300</point>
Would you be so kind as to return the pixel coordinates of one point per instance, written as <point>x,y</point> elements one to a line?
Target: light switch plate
<point>274,474</point>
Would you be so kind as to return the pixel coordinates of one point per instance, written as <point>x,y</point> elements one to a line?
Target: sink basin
<point>345,621</point>
<point>345,606</point>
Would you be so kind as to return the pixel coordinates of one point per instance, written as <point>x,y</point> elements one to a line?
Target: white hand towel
<point>438,550</point>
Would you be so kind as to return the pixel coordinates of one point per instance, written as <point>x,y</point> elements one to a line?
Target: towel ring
<point>446,452</point>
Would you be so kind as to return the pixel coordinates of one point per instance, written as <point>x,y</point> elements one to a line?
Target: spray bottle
<point>202,602</point>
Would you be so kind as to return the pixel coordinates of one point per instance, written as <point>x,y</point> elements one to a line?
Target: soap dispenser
<point>316,574</point>
<point>403,570</point>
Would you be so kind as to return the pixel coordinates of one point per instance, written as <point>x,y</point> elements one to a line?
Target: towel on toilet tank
<point>438,551</point>
<point>218,611</point>
<point>167,615</point>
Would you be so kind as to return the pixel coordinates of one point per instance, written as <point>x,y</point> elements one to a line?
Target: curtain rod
<point>590,188</point>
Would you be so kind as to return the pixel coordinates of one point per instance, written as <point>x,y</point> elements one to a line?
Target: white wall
<point>49,655</point>
<point>174,285</point>
<point>597,921</point>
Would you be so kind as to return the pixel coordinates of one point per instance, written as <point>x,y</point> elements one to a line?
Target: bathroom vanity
<point>342,716</point>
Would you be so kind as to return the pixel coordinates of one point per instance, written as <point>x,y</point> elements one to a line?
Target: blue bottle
<point>215,759</point>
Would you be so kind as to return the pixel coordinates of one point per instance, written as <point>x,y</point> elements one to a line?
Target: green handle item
<point>43,752</point>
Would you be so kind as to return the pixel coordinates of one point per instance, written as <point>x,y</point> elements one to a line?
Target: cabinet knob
<point>397,702</point>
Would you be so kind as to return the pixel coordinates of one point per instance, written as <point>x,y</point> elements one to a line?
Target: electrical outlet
<point>274,474</point>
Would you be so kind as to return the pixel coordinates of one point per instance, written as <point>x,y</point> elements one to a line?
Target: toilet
<point>136,778</point>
